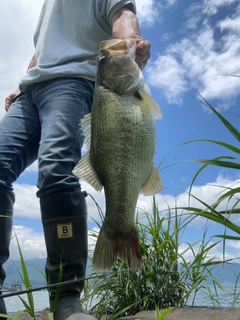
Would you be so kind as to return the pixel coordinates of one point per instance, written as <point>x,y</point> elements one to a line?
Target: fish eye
<point>103,59</point>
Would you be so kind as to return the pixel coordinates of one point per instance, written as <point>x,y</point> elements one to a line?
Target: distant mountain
<point>227,273</point>
<point>36,269</point>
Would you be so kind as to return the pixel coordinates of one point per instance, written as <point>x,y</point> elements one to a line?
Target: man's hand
<point>8,100</point>
<point>125,26</point>
<point>142,51</point>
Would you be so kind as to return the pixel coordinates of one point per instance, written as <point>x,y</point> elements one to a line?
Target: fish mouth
<point>117,47</point>
<point>117,69</point>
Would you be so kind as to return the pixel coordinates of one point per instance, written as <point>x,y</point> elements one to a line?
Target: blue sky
<point>195,47</point>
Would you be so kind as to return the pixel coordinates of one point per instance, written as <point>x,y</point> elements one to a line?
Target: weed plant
<point>165,279</point>
<point>229,195</point>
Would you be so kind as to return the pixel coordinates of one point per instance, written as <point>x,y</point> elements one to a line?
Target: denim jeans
<point>43,124</point>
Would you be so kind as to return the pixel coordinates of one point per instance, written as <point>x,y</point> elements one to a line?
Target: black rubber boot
<point>64,218</point>
<point>7,200</point>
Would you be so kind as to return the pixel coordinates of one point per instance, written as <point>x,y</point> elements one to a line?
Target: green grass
<point>166,280</point>
<point>29,304</point>
<point>230,195</point>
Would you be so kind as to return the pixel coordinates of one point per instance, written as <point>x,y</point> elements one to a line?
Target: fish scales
<point>120,136</point>
<point>126,128</point>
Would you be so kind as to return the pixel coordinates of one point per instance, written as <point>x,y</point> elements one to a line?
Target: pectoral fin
<point>153,184</point>
<point>151,102</point>
<point>84,169</point>
<point>85,126</point>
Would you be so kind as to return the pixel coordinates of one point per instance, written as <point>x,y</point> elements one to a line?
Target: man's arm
<point>125,25</point>
<point>32,63</point>
<point>8,100</point>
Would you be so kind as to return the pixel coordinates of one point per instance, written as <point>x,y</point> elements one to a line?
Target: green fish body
<point>121,140</point>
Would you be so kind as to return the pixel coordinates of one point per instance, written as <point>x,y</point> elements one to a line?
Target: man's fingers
<point>143,52</point>
<point>8,101</point>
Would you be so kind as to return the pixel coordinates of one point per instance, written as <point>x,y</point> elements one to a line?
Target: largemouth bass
<point>120,136</point>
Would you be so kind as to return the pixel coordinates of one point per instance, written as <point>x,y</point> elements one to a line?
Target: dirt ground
<point>184,313</point>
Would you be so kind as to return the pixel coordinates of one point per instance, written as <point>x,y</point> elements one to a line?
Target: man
<point>42,124</point>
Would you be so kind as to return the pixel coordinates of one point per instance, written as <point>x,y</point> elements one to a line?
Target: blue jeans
<point>43,124</point>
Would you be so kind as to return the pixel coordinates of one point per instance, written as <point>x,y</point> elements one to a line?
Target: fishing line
<point>59,284</point>
<point>100,212</point>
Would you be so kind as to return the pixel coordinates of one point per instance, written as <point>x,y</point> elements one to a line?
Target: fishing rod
<point>59,284</point>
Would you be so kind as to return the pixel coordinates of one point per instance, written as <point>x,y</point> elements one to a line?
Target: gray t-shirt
<point>67,38</point>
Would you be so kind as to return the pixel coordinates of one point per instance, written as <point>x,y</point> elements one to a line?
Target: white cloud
<point>215,253</point>
<point>19,19</point>
<point>201,60</point>
<point>234,247</point>
<point>208,193</point>
<point>27,204</point>
<point>33,167</point>
<point>166,73</point>
<point>230,24</point>
<point>192,17</point>
<point>170,3</point>
<point>147,11</point>
<point>32,244</point>
<point>166,37</point>
<point>150,12</point>
<point>211,7</point>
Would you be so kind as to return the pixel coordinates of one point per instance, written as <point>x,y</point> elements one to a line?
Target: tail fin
<point>124,245</point>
